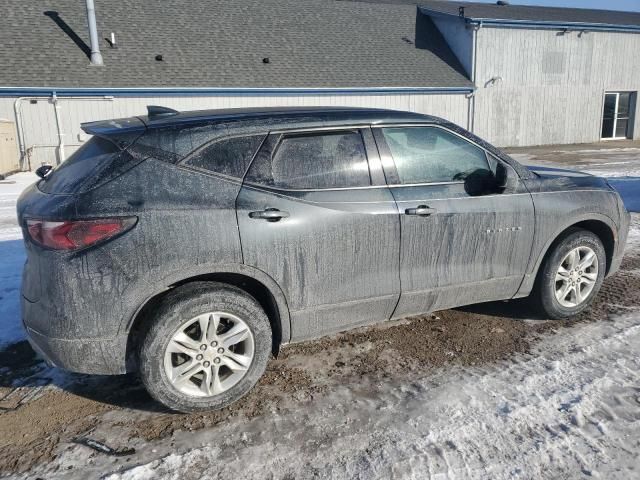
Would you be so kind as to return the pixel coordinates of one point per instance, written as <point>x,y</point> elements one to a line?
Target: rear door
<point>315,214</point>
<point>459,246</point>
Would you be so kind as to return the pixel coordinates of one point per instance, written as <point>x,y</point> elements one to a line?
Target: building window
<point>617,114</point>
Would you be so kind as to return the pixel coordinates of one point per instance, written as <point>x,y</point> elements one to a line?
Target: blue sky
<point>627,5</point>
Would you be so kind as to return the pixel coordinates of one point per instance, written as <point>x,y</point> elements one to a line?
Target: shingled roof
<point>221,43</point>
<point>534,14</point>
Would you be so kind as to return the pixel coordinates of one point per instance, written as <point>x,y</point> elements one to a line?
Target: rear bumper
<point>101,356</point>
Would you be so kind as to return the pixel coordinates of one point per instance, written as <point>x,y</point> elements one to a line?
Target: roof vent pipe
<point>96,56</point>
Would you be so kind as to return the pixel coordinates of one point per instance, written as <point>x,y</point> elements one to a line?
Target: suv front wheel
<point>207,347</point>
<point>571,275</point>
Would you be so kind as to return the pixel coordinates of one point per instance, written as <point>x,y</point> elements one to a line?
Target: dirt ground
<point>43,411</point>
<point>604,158</point>
<point>37,421</point>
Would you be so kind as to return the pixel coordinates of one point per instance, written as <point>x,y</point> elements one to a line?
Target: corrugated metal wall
<point>553,83</point>
<point>40,133</point>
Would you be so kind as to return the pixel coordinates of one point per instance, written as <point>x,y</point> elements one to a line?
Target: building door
<point>616,115</point>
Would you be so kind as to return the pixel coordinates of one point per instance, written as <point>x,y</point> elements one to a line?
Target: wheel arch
<point>600,225</point>
<point>255,282</point>
<point>605,233</point>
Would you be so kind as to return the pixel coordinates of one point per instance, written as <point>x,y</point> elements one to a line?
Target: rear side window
<point>431,154</point>
<point>171,144</point>
<point>84,168</point>
<point>316,161</point>
<point>228,156</point>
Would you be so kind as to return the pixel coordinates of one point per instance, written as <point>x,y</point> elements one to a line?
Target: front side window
<point>317,161</point>
<point>432,154</point>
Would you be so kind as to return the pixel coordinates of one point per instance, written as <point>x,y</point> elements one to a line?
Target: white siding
<point>40,132</point>
<point>553,84</point>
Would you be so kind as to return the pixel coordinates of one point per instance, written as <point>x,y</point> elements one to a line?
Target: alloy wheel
<point>209,354</point>
<point>576,277</point>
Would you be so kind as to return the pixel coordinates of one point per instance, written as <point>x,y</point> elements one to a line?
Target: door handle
<point>269,214</point>
<point>421,210</point>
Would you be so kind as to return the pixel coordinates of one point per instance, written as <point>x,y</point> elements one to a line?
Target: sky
<point>626,5</point>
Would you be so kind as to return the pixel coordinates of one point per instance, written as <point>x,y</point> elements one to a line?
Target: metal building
<point>514,75</point>
<point>546,75</point>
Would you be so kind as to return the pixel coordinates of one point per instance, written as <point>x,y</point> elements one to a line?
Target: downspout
<point>469,97</point>
<point>474,58</point>
<point>56,109</point>
<point>21,147</point>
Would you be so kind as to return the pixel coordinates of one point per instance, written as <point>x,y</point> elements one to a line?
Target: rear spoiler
<point>105,128</point>
<point>131,124</point>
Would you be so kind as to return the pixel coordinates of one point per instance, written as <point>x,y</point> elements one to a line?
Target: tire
<point>161,349</point>
<point>547,289</point>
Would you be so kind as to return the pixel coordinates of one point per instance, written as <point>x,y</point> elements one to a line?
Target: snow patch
<point>633,240</point>
<point>12,257</point>
<point>629,172</point>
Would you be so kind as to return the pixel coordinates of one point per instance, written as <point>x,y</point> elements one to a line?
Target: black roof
<point>492,11</point>
<point>278,117</point>
<point>222,44</point>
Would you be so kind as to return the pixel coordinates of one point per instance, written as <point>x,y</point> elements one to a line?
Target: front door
<point>460,245</point>
<point>311,217</point>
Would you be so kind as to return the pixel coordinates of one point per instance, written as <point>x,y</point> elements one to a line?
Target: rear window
<point>84,169</point>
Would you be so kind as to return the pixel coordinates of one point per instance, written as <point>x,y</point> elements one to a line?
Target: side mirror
<point>481,182</point>
<point>44,170</point>
<point>502,176</point>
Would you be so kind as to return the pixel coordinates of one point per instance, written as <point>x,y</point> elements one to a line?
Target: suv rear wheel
<point>571,275</point>
<point>207,347</point>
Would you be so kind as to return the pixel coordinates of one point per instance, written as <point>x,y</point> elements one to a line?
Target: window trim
<point>389,163</point>
<point>296,130</point>
<point>278,135</point>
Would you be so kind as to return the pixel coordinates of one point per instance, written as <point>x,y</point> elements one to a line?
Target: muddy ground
<point>43,411</point>
<point>39,420</point>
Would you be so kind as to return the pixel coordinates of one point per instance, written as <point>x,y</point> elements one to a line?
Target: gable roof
<point>514,15</point>
<point>222,44</point>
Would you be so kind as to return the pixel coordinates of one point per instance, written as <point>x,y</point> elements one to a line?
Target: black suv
<point>190,246</point>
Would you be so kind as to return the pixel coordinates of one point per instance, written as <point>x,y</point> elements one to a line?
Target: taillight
<point>75,234</point>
